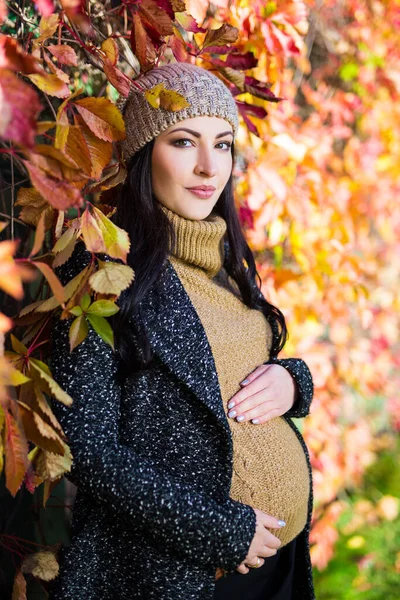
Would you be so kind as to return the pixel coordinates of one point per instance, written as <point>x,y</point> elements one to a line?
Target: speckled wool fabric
<point>152,462</point>
<point>204,91</point>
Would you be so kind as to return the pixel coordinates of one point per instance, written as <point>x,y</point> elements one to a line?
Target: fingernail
<point>231,404</point>
<point>239,419</point>
<point>232,413</point>
<point>245,381</point>
<point>281,523</point>
<point>255,421</point>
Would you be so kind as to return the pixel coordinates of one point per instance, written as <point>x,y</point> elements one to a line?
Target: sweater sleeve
<point>171,513</point>
<point>301,374</point>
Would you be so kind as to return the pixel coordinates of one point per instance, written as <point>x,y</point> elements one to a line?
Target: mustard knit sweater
<point>269,466</point>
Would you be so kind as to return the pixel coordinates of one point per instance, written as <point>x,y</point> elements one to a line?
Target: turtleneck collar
<point>199,242</point>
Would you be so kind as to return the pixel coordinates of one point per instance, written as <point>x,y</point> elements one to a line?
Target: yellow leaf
<point>116,240</point>
<point>153,95</point>
<point>18,346</point>
<point>171,100</point>
<point>48,26</point>
<point>42,565</point>
<point>51,84</point>
<point>110,49</point>
<point>111,278</point>
<point>40,371</point>
<point>71,233</point>
<point>50,466</point>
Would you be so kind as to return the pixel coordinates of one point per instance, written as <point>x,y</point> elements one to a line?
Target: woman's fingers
<point>243,568</point>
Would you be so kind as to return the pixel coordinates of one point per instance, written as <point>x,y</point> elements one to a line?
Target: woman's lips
<point>201,193</point>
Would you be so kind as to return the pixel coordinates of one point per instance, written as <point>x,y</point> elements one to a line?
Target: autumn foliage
<point>317,89</point>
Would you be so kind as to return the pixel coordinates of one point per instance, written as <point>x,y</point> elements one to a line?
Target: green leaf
<point>103,328</point>
<point>103,308</point>
<point>85,302</point>
<point>76,311</point>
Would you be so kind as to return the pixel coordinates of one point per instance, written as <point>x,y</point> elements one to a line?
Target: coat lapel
<point>177,336</point>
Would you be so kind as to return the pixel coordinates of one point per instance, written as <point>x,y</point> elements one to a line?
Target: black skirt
<point>272,581</point>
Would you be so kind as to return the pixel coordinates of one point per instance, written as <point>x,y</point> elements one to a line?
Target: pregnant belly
<point>270,473</point>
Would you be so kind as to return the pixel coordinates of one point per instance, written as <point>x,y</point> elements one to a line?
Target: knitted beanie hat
<point>204,91</point>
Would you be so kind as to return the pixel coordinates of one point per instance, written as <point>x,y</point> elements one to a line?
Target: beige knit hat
<point>205,92</point>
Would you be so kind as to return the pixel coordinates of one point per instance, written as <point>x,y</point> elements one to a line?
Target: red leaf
<point>45,7</point>
<point>20,107</point>
<point>14,58</point>
<point>117,78</point>
<point>251,109</point>
<point>64,54</point>
<point>60,194</point>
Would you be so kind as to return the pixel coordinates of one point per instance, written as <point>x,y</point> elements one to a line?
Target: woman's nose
<point>206,164</point>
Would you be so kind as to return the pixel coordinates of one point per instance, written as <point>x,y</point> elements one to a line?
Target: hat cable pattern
<point>205,92</point>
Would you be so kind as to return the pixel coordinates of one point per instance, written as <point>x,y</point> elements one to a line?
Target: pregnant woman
<point>193,482</point>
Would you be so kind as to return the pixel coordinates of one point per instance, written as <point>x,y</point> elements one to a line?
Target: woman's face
<point>192,153</point>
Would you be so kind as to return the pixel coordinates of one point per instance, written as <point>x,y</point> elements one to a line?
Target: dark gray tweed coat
<point>153,462</point>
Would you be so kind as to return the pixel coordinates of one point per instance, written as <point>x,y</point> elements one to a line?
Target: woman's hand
<point>268,392</point>
<point>264,543</point>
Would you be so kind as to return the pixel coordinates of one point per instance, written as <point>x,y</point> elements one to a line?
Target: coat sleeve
<point>171,513</point>
<point>301,374</point>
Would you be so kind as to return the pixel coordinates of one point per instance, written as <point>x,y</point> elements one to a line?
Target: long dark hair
<point>152,239</point>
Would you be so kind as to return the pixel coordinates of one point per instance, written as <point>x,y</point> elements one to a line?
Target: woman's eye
<point>180,143</point>
<point>227,144</point>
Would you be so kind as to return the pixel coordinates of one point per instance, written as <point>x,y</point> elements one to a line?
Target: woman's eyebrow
<point>196,134</point>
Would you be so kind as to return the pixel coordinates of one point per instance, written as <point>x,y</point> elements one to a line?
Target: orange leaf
<point>16,452</point>
<point>39,432</point>
<point>11,273</point>
<point>51,84</point>
<point>102,117</point>
<point>34,205</point>
<point>100,151</point>
<point>39,235</point>
<point>139,40</point>
<point>77,148</point>
<point>52,279</point>
<point>13,57</point>
<point>19,587</point>
<point>20,107</point>
<point>64,54</point>
<point>59,194</point>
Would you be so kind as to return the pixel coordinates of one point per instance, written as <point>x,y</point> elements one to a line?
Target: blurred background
<point>318,182</point>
